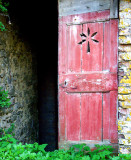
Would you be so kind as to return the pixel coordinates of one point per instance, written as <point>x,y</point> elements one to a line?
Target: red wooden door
<point>87,79</point>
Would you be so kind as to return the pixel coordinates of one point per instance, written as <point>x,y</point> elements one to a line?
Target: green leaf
<point>42,147</point>
<point>2,8</point>
<point>87,148</point>
<point>96,157</point>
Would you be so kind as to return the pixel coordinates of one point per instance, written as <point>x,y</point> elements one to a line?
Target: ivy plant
<point>3,5</point>
<point>4,100</point>
<point>3,9</point>
<point>10,149</point>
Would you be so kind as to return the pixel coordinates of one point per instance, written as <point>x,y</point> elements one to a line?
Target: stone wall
<point>124,90</point>
<point>18,76</point>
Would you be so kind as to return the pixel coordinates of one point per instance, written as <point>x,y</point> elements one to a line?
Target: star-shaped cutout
<point>84,38</point>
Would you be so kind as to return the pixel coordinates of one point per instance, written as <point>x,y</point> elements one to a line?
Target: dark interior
<point>38,24</point>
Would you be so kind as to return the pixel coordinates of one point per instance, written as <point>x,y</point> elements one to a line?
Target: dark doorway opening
<point>38,24</point>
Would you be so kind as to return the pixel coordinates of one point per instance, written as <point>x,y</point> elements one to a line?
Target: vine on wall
<point>3,9</point>
<point>4,100</point>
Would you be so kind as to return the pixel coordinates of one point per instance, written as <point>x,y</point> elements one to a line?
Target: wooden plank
<point>87,17</point>
<point>73,117</point>
<point>70,7</point>
<point>74,50</point>
<point>113,117</point>
<point>91,116</point>
<point>114,45</point>
<point>114,8</point>
<point>106,116</point>
<point>107,47</point>
<point>62,47</point>
<point>92,48</point>
<point>91,82</point>
<point>62,117</point>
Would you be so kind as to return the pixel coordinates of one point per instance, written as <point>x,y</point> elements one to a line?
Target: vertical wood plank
<point>114,45</point>
<point>91,116</point>
<point>62,60</point>
<point>107,47</point>
<point>73,117</point>
<point>114,8</point>
<point>62,116</point>
<point>113,117</point>
<point>106,116</point>
<point>74,50</point>
<point>92,48</point>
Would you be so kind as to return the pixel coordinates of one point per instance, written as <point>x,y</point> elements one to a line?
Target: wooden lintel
<point>114,9</point>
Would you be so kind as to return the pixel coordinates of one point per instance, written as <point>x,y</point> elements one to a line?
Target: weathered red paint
<point>87,78</point>
<point>86,17</point>
<point>93,61</point>
<point>74,56</point>
<point>88,82</point>
<point>73,111</point>
<point>91,116</point>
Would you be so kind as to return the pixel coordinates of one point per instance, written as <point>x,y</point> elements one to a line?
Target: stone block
<point>124,23</point>
<point>124,90</point>
<point>125,39</point>
<point>125,104</point>
<point>124,48</point>
<point>125,31</point>
<point>125,13</point>
<point>124,5</point>
<point>125,149</point>
<point>125,56</point>
<point>125,141</point>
